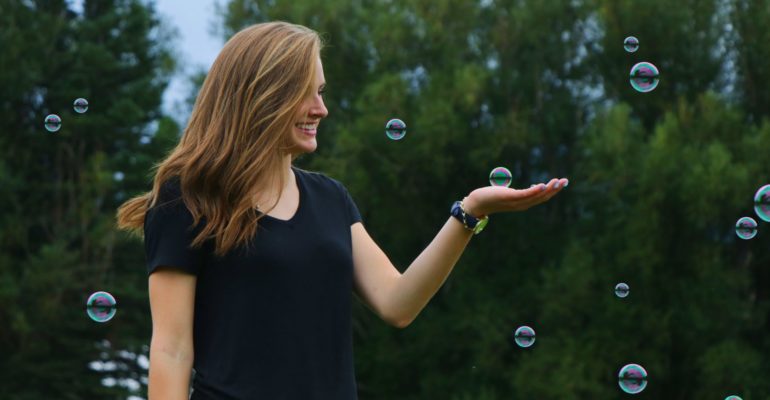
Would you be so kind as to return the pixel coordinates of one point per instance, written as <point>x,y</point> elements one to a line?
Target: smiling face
<point>310,113</point>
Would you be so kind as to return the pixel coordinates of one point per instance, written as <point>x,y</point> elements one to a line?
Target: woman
<point>252,262</point>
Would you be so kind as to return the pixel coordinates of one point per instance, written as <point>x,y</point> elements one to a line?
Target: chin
<point>304,143</point>
<point>305,146</point>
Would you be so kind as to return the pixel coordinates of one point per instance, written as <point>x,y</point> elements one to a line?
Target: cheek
<point>304,110</point>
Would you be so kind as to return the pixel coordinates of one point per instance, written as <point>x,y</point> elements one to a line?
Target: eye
<point>321,92</point>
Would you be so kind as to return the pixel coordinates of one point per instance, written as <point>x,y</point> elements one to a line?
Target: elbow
<point>397,315</point>
<point>400,322</point>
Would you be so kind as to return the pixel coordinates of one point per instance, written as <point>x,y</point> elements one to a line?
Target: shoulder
<point>169,207</point>
<point>171,202</point>
<point>170,192</point>
<point>325,191</point>
<point>319,181</point>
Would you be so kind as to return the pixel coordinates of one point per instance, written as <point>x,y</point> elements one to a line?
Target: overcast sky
<point>197,48</point>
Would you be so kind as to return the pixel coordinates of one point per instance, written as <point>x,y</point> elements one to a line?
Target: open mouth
<point>308,129</point>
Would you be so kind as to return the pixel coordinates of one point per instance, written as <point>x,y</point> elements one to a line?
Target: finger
<point>563,182</point>
<point>537,188</point>
<point>543,189</point>
<point>542,186</point>
<point>541,193</point>
<point>551,185</point>
<point>558,187</point>
<point>519,194</point>
<point>546,191</point>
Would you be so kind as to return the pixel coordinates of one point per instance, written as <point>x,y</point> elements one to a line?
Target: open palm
<point>494,199</point>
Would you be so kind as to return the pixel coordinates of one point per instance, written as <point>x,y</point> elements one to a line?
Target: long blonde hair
<point>238,134</point>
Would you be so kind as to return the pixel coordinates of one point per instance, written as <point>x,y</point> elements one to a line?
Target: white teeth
<point>307,126</point>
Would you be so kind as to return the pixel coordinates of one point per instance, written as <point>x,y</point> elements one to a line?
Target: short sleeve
<point>352,209</point>
<point>168,233</point>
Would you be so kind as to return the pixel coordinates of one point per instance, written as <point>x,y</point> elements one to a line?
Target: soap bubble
<point>733,397</point>
<point>101,306</point>
<point>632,378</point>
<point>52,123</point>
<point>644,77</point>
<point>762,203</point>
<point>500,176</point>
<point>524,336</point>
<point>631,44</point>
<point>621,290</point>
<point>395,129</point>
<point>80,105</point>
<point>746,228</point>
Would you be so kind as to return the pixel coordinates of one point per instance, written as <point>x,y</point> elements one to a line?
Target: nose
<point>318,108</point>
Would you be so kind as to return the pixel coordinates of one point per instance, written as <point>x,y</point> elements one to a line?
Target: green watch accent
<point>481,225</point>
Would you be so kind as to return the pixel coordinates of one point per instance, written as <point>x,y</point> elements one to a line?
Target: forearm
<point>169,374</point>
<point>429,270</point>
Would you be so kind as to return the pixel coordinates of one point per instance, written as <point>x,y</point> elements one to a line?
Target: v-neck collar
<point>302,200</point>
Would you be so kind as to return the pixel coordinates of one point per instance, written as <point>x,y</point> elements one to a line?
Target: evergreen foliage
<point>657,181</point>
<point>59,191</point>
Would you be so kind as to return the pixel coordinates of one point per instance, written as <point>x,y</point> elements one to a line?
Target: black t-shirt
<point>272,320</point>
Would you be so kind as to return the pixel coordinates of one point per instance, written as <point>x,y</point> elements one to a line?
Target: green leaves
<point>657,182</point>
<point>57,235</point>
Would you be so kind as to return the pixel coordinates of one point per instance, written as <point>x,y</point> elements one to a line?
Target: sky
<point>197,47</point>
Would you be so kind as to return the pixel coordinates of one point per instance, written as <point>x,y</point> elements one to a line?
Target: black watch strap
<point>470,222</point>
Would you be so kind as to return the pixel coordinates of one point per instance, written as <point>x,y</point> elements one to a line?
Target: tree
<point>658,180</point>
<point>60,190</point>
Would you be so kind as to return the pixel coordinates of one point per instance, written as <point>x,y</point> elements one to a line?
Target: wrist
<point>471,207</point>
<point>469,221</point>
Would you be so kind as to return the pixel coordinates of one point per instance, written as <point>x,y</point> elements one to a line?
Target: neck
<point>265,197</point>
<point>289,175</point>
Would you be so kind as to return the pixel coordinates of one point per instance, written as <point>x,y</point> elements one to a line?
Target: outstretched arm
<point>398,298</point>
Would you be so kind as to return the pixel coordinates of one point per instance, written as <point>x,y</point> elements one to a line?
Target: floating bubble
<point>395,129</point>
<point>101,306</point>
<point>500,176</point>
<point>632,378</point>
<point>746,228</point>
<point>733,397</point>
<point>621,290</point>
<point>644,77</point>
<point>762,203</point>
<point>524,336</point>
<point>52,123</point>
<point>631,44</point>
<point>80,105</point>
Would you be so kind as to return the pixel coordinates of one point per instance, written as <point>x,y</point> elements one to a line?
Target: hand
<point>492,199</point>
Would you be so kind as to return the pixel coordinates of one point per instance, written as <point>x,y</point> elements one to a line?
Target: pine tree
<point>60,191</point>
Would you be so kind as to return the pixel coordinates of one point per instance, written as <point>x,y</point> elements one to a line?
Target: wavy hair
<point>238,134</point>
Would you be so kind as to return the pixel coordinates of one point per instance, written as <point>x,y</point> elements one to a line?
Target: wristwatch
<point>470,222</point>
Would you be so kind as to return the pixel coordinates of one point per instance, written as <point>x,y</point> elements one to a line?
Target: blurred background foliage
<point>657,181</point>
